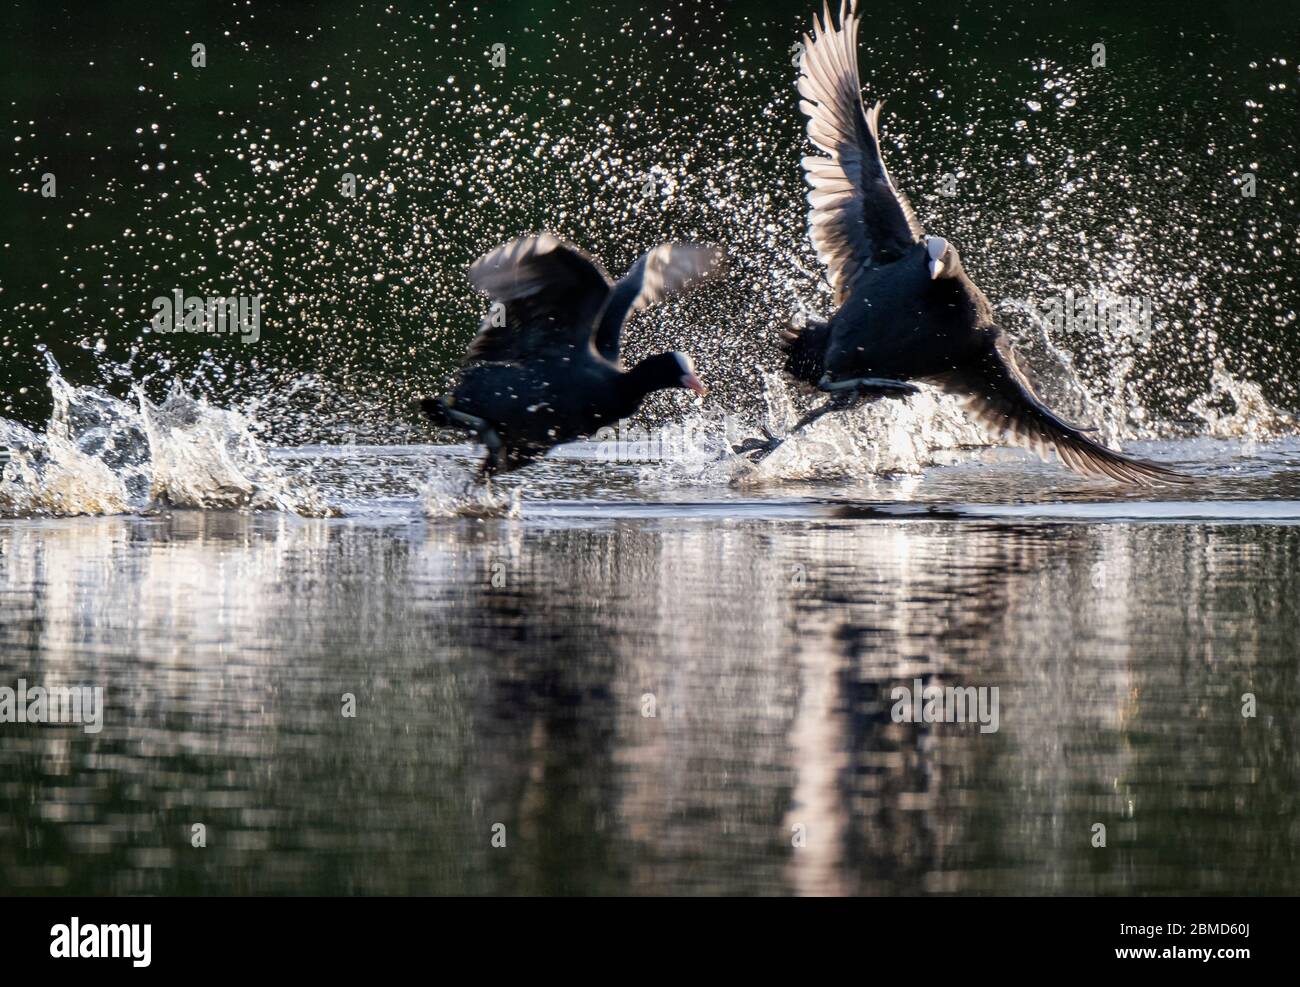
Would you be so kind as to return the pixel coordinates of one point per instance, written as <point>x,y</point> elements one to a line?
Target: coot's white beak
<point>694,383</point>
<point>936,268</point>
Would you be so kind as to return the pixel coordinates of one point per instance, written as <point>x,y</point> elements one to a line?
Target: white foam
<point>887,437</point>
<point>452,491</point>
<point>102,455</point>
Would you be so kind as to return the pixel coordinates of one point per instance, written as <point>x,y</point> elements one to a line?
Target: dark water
<point>501,669</point>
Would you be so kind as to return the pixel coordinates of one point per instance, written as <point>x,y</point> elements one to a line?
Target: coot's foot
<point>756,449</point>
<point>765,444</point>
<point>844,396</point>
<point>869,387</point>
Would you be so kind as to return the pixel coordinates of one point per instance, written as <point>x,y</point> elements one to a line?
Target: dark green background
<point>1159,136</point>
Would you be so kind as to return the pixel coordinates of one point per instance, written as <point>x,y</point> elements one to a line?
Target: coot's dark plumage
<point>907,310</point>
<point>544,368</point>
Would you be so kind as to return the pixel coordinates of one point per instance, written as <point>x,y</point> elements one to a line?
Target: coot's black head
<point>657,373</point>
<point>941,258</point>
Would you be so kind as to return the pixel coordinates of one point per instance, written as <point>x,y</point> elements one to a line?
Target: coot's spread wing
<point>858,218</point>
<point>551,293</point>
<point>658,273</point>
<point>999,396</point>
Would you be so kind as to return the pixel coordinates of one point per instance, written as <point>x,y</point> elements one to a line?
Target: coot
<point>544,368</point>
<point>907,311</point>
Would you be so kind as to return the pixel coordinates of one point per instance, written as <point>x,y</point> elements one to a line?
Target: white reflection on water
<point>225,641</point>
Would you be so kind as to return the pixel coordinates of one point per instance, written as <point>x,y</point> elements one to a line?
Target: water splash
<point>102,455</point>
<point>453,491</point>
<point>201,456</point>
<point>883,438</point>
<point>1233,409</point>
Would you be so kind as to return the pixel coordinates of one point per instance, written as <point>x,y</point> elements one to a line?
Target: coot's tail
<point>435,409</point>
<point>805,350</point>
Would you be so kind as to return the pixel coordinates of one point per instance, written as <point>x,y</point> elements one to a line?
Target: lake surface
<point>503,669</point>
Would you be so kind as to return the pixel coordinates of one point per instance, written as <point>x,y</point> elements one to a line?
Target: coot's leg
<point>842,401</point>
<point>845,395</point>
<point>471,422</point>
<point>869,387</point>
<point>496,459</point>
<point>479,426</point>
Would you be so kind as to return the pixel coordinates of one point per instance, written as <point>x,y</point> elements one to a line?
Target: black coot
<point>907,311</point>
<point>544,368</point>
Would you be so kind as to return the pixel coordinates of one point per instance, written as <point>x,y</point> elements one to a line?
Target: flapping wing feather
<point>999,396</point>
<point>858,218</point>
<point>657,274</point>
<point>551,293</point>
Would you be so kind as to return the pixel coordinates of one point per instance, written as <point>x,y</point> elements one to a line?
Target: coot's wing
<point>998,395</point>
<point>658,273</point>
<point>858,218</point>
<point>549,293</point>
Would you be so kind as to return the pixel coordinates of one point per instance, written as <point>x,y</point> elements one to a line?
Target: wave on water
<point>103,455</point>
